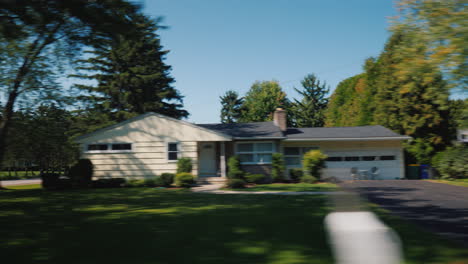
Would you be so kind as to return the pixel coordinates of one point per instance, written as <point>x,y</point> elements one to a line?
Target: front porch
<point>211,162</point>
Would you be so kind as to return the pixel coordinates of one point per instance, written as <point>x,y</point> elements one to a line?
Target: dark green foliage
<point>261,101</point>
<point>167,179</point>
<point>154,182</point>
<point>109,183</point>
<point>453,162</point>
<point>312,164</point>
<point>41,136</point>
<point>230,107</point>
<point>234,168</point>
<point>295,174</point>
<point>53,181</point>
<point>184,165</point>
<point>135,183</point>
<point>40,38</point>
<point>81,173</point>
<point>131,75</point>
<point>277,167</point>
<point>184,179</point>
<point>255,178</point>
<point>310,110</point>
<point>412,101</point>
<point>235,184</point>
<point>308,179</point>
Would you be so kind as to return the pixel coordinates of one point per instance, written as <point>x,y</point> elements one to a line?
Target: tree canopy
<point>230,107</point>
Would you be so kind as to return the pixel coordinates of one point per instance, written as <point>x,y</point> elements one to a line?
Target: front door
<point>207,160</point>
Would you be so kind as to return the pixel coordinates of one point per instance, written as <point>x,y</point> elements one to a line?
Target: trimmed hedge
<point>255,178</point>
<point>184,165</point>
<point>295,174</point>
<point>313,162</point>
<point>234,168</point>
<point>184,179</point>
<point>277,167</point>
<point>235,184</point>
<point>308,179</point>
<point>167,179</point>
<point>109,183</point>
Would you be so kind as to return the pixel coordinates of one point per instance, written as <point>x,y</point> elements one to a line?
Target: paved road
<point>441,208</point>
<point>20,182</point>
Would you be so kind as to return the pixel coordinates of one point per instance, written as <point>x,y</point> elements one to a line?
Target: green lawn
<point>457,182</point>
<point>5,175</point>
<point>143,225</point>
<point>294,187</point>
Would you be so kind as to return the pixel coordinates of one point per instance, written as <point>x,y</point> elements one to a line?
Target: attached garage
<point>366,149</point>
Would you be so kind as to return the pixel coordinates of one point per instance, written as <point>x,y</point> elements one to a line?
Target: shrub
<point>153,182</point>
<point>234,168</point>
<point>184,165</point>
<point>167,179</point>
<point>308,179</point>
<point>184,179</point>
<point>135,183</point>
<point>255,178</point>
<point>235,183</point>
<point>295,174</point>
<point>53,181</point>
<point>81,173</point>
<point>452,163</point>
<point>313,162</point>
<point>109,183</point>
<point>277,167</point>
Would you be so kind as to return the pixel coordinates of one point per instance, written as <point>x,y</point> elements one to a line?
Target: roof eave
<point>254,138</point>
<point>349,139</point>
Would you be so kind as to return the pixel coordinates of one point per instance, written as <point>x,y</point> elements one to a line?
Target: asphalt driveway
<point>441,208</point>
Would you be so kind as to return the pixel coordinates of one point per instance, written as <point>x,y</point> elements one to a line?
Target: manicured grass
<point>145,225</point>
<point>294,187</point>
<point>457,182</point>
<point>24,187</point>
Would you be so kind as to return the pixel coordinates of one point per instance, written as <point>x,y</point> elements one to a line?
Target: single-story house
<point>150,144</point>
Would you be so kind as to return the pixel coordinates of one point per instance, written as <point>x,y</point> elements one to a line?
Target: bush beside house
<point>312,164</point>
<point>184,180</point>
<point>452,163</point>
<point>184,165</point>
<point>277,167</point>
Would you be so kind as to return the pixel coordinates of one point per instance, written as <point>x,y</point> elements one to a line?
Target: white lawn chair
<point>375,173</point>
<point>355,174</point>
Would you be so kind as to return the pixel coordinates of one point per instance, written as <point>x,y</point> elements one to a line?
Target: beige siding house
<point>150,144</point>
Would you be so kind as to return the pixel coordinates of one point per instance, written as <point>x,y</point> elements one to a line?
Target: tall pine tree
<point>230,107</point>
<point>310,110</point>
<point>131,75</point>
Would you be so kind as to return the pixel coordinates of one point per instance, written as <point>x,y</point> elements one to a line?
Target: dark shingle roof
<point>246,130</point>
<point>340,132</point>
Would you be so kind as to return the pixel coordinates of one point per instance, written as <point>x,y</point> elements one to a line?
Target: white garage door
<point>388,163</point>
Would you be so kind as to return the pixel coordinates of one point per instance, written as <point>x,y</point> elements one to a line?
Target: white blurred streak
<point>361,238</point>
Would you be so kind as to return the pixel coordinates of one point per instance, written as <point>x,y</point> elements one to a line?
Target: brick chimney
<point>279,118</point>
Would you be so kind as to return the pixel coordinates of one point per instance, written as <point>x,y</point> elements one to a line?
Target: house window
<point>255,153</point>
<point>293,155</point>
<point>368,158</point>
<point>351,158</point>
<point>335,159</point>
<point>387,158</point>
<point>97,147</point>
<point>109,147</point>
<point>172,150</point>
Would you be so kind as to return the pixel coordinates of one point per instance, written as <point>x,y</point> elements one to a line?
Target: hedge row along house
<point>150,144</point>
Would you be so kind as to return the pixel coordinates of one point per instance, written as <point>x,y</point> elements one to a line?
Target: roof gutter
<point>349,139</point>
<point>250,138</point>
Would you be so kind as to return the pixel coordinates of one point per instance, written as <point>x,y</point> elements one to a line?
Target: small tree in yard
<point>312,163</point>
<point>235,171</point>
<point>277,167</point>
<point>184,165</point>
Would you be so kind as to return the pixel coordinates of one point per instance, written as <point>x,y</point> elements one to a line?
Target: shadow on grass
<point>149,226</point>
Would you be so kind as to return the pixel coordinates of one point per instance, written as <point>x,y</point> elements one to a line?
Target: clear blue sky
<point>220,45</point>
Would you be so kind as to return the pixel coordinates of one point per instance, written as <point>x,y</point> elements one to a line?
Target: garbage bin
<point>412,172</point>
<point>424,171</point>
